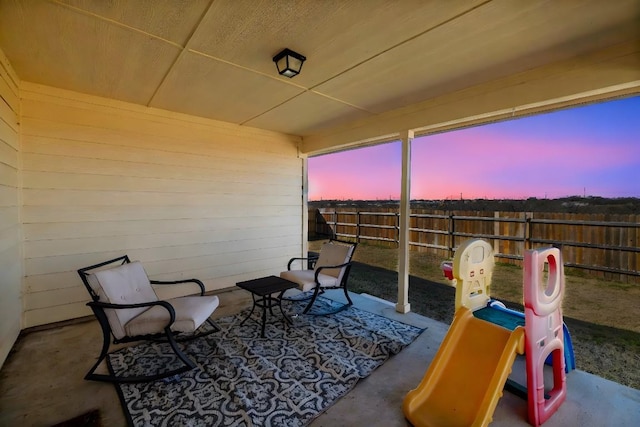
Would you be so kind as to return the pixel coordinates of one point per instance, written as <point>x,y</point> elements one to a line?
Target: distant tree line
<point>574,204</point>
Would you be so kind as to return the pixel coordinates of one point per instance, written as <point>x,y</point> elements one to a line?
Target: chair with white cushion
<point>128,309</point>
<point>331,271</point>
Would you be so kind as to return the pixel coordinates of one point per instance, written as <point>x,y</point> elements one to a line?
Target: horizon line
<point>477,198</point>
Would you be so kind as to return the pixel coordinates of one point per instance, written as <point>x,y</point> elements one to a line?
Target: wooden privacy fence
<point>605,244</point>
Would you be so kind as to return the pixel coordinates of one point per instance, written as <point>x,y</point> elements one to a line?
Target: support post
<point>305,207</point>
<point>405,210</point>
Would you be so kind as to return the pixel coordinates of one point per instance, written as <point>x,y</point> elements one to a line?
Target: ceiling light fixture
<point>289,63</point>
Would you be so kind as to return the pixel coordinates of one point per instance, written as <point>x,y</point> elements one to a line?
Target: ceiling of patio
<point>213,58</point>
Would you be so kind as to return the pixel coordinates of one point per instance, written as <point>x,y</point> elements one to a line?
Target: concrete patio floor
<point>41,383</point>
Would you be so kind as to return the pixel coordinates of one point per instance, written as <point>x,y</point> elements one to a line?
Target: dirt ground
<point>602,316</point>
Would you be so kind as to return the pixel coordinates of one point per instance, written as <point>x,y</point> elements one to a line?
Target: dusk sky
<point>592,150</point>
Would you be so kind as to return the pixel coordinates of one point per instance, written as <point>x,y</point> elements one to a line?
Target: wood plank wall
<point>189,197</point>
<point>10,227</point>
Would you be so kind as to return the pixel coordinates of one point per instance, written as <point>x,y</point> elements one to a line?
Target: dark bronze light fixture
<point>289,63</point>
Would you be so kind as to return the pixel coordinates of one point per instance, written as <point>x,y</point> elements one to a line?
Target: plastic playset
<point>465,380</point>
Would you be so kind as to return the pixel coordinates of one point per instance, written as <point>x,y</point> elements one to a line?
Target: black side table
<point>262,291</point>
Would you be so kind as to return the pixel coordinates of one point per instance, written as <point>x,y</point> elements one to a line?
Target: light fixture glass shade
<point>289,63</point>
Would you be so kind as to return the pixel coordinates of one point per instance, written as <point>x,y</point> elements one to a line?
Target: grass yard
<point>602,316</point>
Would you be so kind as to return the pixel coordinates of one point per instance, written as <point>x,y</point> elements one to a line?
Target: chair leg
<point>346,294</point>
<point>313,299</point>
<point>106,341</point>
<point>316,291</point>
<point>187,364</point>
<point>213,324</point>
<point>183,357</point>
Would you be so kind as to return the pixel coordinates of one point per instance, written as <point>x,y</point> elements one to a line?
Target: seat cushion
<point>306,279</point>
<point>191,312</point>
<point>124,284</point>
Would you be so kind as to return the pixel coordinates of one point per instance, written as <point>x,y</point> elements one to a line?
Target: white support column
<point>305,206</point>
<point>403,250</point>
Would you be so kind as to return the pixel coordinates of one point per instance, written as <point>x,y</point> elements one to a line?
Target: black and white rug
<point>285,379</point>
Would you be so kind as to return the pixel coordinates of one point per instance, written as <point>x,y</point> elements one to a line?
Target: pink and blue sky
<point>592,150</point>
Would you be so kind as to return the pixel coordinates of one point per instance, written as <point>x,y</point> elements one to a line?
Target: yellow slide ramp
<point>465,379</point>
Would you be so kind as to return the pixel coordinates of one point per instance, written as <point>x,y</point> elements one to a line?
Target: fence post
<point>528,233</point>
<point>357,226</point>
<point>522,228</point>
<point>496,232</point>
<point>451,235</point>
<point>397,232</point>
<point>334,233</point>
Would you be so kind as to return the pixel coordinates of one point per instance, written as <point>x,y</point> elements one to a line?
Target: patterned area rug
<point>285,379</point>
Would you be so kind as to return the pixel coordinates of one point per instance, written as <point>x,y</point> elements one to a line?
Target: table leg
<point>265,302</point>
<point>253,297</point>
<point>285,315</point>
<point>271,301</point>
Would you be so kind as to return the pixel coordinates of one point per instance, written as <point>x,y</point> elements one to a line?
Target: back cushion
<point>334,254</point>
<point>125,284</point>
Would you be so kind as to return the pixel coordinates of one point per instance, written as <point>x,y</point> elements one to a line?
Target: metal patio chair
<point>330,271</point>
<point>128,310</point>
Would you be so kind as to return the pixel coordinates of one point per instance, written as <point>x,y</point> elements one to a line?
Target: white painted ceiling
<point>213,58</point>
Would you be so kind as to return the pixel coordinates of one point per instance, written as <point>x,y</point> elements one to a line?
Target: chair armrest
<point>319,269</point>
<point>166,305</point>
<point>176,282</point>
<point>294,259</point>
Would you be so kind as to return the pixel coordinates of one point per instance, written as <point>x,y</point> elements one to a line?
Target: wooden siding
<point>10,228</point>
<point>189,197</point>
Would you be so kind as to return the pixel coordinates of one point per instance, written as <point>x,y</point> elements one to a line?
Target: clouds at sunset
<point>593,150</point>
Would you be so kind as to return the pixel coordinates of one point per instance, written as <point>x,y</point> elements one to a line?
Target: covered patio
<point>163,130</point>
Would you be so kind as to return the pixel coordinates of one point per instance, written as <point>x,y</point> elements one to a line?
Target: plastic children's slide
<point>465,379</point>
<point>471,271</point>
